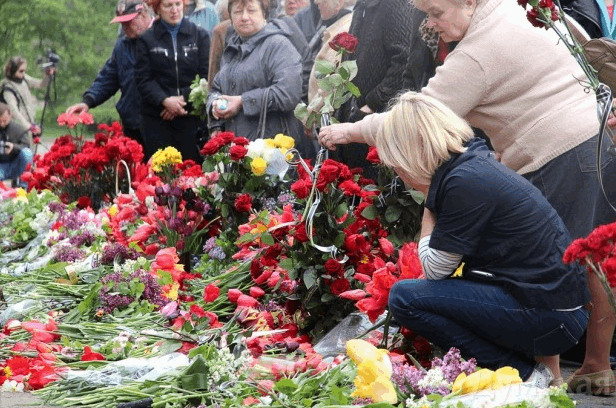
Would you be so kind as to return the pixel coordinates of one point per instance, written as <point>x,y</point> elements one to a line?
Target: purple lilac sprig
<point>452,365</point>
<point>214,250</point>
<point>411,380</point>
<point>116,249</point>
<point>57,207</point>
<point>83,238</point>
<point>68,253</point>
<point>111,300</point>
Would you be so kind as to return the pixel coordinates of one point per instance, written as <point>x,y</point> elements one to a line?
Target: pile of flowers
<point>76,169</point>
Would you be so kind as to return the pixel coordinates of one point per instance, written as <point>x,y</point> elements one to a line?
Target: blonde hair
<point>419,134</point>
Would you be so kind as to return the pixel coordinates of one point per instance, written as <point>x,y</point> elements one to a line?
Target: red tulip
<point>256,292</point>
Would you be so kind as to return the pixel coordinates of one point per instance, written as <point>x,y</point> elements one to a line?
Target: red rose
<point>328,174</point>
<point>344,41</point>
<point>333,267</point>
<point>300,233</point>
<point>301,188</point>
<point>84,202</point>
<point>211,147</point>
<point>373,156</point>
<point>350,188</point>
<point>226,137</point>
<point>243,203</point>
<point>339,286</point>
<point>237,152</point>
<point>241,141</point>
<point>422,346</point>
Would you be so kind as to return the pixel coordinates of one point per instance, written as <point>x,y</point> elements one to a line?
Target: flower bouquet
<point>75,168</point>
<point>198,97</point>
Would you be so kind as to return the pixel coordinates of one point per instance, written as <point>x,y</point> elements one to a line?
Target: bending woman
<point>517,303</point>
<point>540,121</point>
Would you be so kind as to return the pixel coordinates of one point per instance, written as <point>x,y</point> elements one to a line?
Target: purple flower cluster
<point>452,365</point>
<point>68,253</point>
<point>57,207</point>
<point>61,236</point>
<point>285,198</point>
<point>362,401</point>
<point>408,378</point>
<point>84,238</point>
<point>111,300</point>
<point>71,221</point>
<point>115,249</point>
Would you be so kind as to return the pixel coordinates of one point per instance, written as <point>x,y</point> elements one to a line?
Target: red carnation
<point>210,293</point>
<point>237,152</point>
<point>350,188</point>
<point>345,42</point>
<point>533,16</point>
<point>243,203</point>
<point>89,355</point>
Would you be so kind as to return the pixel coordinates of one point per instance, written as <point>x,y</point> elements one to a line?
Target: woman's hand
<point>234,104</point>
<point>174,106</point>
<point>330,136</point>
<point>366,109</point>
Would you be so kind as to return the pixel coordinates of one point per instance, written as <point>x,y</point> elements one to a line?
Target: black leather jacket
<point>585,12</point>
<point>163,70</point>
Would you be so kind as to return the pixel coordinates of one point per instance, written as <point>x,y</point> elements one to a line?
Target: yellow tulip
<point>486,379</point>
<point>258,166</point>
<point>373,372</point>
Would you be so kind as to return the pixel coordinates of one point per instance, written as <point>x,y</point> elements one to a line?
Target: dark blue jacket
<point>118,74</point>
<point>505,229</point>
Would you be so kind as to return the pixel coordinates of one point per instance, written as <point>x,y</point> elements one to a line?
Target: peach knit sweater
<point>515,82</point>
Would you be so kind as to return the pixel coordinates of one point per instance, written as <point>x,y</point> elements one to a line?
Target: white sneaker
<point>541,377</point>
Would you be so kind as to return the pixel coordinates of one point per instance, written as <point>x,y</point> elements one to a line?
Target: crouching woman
<point>516,304</point>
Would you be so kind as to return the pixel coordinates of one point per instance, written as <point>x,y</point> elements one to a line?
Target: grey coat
<point>265,64</point>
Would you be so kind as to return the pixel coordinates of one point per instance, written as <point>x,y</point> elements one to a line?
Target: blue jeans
<point>484,321</point>
<point>570,183</point>
<point>13,169</point>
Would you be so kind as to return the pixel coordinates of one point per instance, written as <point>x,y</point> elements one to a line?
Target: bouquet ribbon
<point>314,199</point>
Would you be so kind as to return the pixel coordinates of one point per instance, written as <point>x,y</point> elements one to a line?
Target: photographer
<point>15,91</point>
<point>118,72</point>
<point>14,151</point>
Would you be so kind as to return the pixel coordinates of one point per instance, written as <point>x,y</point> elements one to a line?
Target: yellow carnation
<point>113,210</point>
<point>166,157</point>
<point>258,166</point>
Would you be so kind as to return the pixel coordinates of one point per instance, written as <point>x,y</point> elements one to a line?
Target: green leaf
<point>392,213</point>
<point>344,73</point>
<point>286,263</point>
<point>123,288</point>
<point>351,67</point>
<point>324,67</point>
<point>310,278</point>
<point>417,196</point>
<point>335,80</point>
<point>267,239</point>
<point>353,89</point>
<point>301,112</point>
<point>165,278</point>
<point>169,346</point>
<point>370,212</point>
<point>224,210</point>
<point>339,240</point>
<point>337,396</point>
<point>286,386</point>
<point>341,210</point>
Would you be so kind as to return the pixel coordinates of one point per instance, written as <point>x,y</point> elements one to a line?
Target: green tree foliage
<point>77,30</point>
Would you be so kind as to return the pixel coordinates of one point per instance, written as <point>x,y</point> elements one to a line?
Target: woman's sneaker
<point>541,377</point>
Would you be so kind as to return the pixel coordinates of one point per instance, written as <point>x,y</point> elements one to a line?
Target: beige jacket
<point>24,109</point>
<point>515,82</point>
<point>326,52</point>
